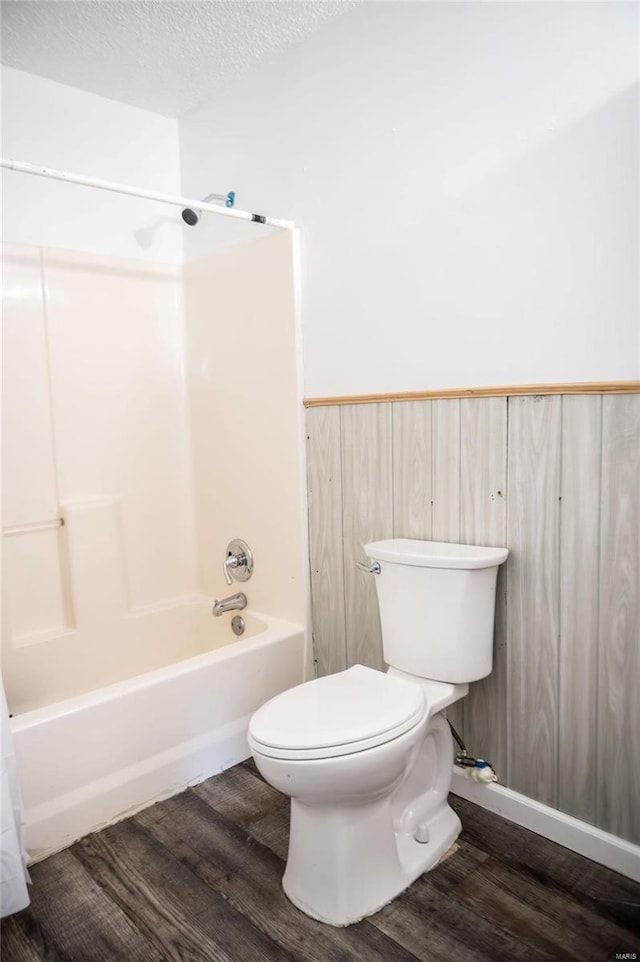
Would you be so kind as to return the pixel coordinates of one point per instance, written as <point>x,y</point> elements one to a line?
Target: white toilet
<point>367,757</point>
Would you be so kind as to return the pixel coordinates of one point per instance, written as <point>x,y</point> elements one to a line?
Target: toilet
<point>367,756</point>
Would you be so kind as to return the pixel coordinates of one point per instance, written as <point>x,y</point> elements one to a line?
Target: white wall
<point>53,125</point>
<point>466,181</point>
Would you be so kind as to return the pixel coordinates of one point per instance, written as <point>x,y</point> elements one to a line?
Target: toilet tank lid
<point>435,554</point>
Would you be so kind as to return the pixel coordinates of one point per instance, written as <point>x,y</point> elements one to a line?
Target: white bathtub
<point>93,758</point>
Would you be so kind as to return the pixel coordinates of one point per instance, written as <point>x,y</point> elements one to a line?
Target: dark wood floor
<point>197,877</point>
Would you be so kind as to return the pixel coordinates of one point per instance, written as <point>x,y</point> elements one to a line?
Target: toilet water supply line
<point>476,769</point>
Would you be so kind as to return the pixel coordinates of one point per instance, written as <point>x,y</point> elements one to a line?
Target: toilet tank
<point>437,607</point>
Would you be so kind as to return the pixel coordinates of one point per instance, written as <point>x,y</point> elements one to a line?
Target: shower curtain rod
<point>24,168</point>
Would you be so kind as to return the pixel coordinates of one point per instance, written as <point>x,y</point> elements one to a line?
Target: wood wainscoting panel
<point>532,595</point>
<point>412,470</point>
<point>445,470</point>
<point>618,758</point>
<point>579,574</point>
<point>445,494</point>
<point>324,480</point>
<point>483,521</point>
<point>557,480</point>
<point>367,496</point>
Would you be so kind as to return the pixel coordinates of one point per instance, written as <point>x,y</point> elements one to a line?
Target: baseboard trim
<point>609,850</point>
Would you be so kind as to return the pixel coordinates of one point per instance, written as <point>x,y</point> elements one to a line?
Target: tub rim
<point>23,721</point>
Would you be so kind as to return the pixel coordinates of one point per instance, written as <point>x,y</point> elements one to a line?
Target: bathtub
<point>99,755</point>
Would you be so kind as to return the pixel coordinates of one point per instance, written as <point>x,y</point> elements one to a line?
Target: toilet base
<point>370,876</point>
<point>349,858</point>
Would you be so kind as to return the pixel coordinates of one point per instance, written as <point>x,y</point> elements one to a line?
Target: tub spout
<point>232,603</point>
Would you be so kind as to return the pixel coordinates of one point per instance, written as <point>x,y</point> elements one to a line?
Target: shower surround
<point>127,433</point>
<point>95,433</point>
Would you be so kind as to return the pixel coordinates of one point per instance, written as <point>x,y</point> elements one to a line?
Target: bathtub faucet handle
<point>231,561</point>
<point>238,565</point>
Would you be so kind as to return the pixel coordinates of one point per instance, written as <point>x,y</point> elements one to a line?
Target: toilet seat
<point>337,715</point>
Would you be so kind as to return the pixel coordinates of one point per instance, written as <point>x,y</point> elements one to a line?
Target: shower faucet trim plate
<point>238,565</point>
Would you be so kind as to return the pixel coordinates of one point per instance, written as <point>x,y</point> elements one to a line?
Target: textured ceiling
<point>163,55</point>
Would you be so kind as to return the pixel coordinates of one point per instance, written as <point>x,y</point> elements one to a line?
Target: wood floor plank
<point>273,831</point>
<point>506,914</point>
<point>78,919</point>
<point>584,934</point>
<point>252,884</point>
<point>21,940</point>
<point>604,892</point>
<point>241,797</point>
<point>208,872</point>
<point>180,914</point>
<point>456,866</point>
<point>436,927</point>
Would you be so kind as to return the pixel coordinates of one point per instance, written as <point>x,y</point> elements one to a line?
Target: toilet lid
<point>337,715</point>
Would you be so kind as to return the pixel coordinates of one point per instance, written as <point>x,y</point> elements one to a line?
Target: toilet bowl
<point>367,757</point>
<point>343,748</point>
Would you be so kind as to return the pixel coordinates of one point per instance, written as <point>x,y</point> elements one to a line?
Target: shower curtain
<point>13,858</point>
